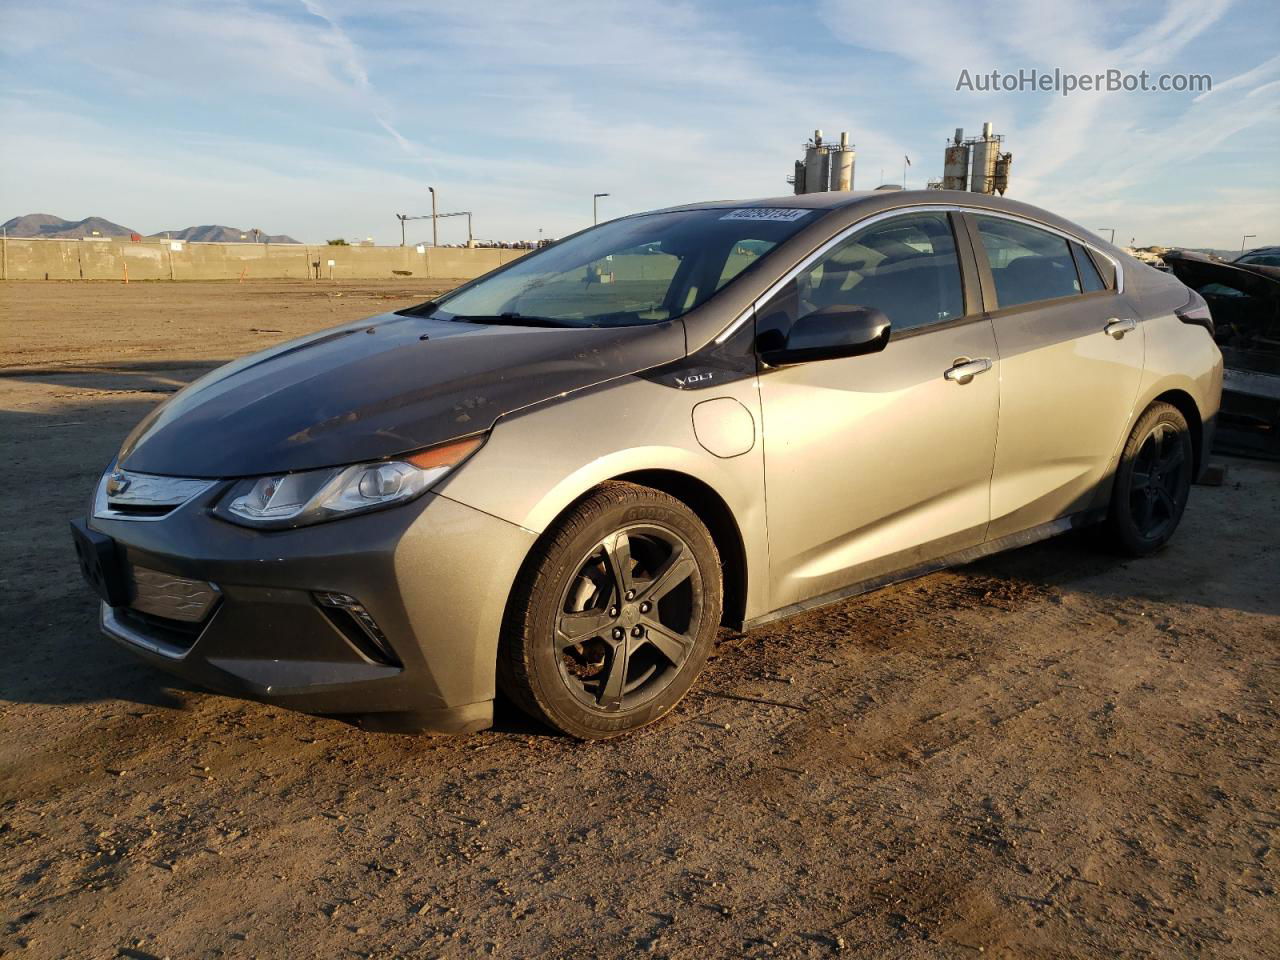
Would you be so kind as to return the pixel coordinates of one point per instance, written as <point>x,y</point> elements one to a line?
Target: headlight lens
<point>298,499</point>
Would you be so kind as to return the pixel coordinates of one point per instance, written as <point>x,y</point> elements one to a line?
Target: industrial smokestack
<point>842,164</point>
<point>825,166</point>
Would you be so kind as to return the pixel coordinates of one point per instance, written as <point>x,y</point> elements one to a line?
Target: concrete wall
<point>152,260</point>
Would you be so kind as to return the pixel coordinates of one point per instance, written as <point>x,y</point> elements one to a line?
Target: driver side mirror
<point>830,333</point>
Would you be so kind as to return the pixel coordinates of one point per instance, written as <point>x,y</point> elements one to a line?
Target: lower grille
<point>166,614</point>
<point>174,635</point>
<point>172,598</point>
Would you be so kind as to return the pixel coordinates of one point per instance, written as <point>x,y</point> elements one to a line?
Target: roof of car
<point>873,201</point>
<point>847,198</point>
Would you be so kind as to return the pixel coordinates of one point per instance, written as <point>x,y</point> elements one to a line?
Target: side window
<point>1090,279</point>
<point>1027,264</point>
<point>905,267</point>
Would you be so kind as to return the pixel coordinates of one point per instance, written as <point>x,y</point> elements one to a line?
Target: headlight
<point>298,499</point>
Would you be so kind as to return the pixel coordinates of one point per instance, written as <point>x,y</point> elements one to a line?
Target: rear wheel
<point>609,628</point>
<point>1153,482</point>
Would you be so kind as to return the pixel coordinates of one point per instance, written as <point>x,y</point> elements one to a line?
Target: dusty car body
<point>856,389</point>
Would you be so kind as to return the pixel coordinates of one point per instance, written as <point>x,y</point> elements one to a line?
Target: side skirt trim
<point>1014,540</point>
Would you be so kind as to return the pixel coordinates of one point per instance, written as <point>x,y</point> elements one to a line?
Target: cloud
<point>570,107</point>
<point>352,60</point>
<point>1090,152</point>
<point>336,113</point>
<point>1262,71</point>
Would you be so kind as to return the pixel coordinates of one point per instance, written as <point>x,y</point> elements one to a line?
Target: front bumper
<point>433,576</point>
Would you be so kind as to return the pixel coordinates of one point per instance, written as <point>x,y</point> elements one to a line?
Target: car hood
<point>377,388</point>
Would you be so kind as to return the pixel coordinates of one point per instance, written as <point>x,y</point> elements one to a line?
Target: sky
<point>325,118</point>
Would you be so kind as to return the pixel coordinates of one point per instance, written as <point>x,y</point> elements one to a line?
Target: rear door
<point>878,463</point>
<point>1071,357</point>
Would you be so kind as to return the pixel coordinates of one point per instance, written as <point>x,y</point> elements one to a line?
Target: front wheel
<point>611,624</point>
<point>1153,482</point>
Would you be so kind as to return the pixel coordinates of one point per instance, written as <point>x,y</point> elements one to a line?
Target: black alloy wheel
<point>630,617</point>
<point>1159,482</point>
<point>1153,482</point>
<point>614,616</point>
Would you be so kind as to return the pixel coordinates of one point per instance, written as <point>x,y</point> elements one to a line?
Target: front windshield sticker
<point>784,214</point>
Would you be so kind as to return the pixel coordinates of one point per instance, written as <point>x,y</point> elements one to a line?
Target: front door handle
<point>1117,327</point>
<point>965,370</point>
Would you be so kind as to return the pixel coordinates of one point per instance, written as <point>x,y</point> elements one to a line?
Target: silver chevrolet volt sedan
<point>560,479</point>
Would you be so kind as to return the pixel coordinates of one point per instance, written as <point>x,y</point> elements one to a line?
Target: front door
<point>879,463</point>
<point>1071,359</point>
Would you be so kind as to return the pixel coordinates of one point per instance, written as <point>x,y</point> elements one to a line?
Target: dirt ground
<point>1051,753</point>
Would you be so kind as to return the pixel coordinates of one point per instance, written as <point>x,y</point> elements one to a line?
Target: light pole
<point>1113,234</point>
<point>434,238</point>
<point>595,206</point>
<point>402,218</point>
<point>1246,237</point>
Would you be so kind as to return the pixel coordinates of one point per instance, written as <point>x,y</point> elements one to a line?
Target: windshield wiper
<point>512,320</point>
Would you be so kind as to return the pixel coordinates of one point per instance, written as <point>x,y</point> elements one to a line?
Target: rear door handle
<point>965,370</point>
<point>1117,327</point>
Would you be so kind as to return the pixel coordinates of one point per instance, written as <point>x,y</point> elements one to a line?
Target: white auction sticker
<point>783,214</point>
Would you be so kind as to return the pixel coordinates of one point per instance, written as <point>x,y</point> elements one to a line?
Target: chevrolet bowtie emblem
<point>117,483</point>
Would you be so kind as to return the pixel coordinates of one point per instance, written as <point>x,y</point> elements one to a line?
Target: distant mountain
<point>216,233</point>
<point>49,226</point>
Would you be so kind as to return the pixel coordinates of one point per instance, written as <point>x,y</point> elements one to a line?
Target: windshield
<point>638,270</point>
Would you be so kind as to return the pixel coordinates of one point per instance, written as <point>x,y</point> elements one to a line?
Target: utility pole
<point>1246,237</point>
<point>434,237</point>
<point>1113,234</point>
<point>595,206</point>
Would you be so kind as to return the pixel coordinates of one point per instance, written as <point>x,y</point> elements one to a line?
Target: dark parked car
<point>1244,300</point>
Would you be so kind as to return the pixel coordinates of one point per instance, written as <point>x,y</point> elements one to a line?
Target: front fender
<point>539,461</point>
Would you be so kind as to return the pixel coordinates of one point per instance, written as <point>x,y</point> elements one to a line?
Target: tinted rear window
<point>1027,264</point>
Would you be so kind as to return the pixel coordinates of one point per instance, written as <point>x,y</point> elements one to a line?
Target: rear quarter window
<point>1090,278</point>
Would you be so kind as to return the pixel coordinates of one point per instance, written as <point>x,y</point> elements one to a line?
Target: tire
<point>626,558</point>
<point>1152,484</point>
